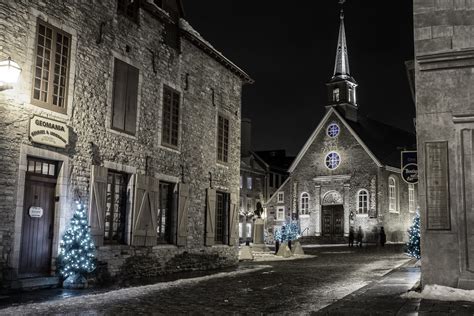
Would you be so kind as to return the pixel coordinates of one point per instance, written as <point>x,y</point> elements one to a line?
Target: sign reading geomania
<point>48,132</point>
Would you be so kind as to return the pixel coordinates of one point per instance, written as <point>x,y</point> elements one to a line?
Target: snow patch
<point>442,293</point>
<point>94,300</point>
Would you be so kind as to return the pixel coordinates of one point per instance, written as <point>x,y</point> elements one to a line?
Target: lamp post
<point>9,73</point>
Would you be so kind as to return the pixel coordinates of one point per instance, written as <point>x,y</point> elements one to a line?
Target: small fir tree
<point>413,244</point>
<point>76,254</point>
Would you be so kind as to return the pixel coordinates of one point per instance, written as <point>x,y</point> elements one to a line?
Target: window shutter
<point>98,203</point>
<point>210,216</point>
<point>120,95</point>
<point>183,204</point>
<point>234,218</point>
<point>146,207</point>
<point>131,106</point>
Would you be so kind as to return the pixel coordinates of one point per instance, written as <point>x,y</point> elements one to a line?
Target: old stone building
<point>123,106</point>
<point>348,172</point>
<point>444,63</point>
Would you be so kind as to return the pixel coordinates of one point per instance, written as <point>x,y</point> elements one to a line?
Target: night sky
<point>289,48</point>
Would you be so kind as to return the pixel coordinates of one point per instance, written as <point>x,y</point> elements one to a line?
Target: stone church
<point>348,172</point>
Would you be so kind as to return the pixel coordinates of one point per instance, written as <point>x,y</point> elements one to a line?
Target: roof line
<point>277,190</point>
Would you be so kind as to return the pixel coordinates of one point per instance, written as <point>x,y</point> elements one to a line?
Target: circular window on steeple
<point>332,160</point>
<point>333,130</point>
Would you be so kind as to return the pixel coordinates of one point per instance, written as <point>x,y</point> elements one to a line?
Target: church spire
<point>341,67</point>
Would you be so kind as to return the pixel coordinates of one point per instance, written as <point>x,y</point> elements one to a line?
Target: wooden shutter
<point>234,218</point>
<point>146,207</point>
<point>120,94</point>
<point>210,216</point>
<point>183,204</point>
<point>131,106</point>
<point>98,203</point>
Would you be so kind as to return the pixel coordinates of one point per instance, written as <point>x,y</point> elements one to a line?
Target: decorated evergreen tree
<point>413,244</point>
<point>76,254</point>
<point>289,231</point>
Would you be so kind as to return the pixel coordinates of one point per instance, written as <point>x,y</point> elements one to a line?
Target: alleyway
<point>298,286</point>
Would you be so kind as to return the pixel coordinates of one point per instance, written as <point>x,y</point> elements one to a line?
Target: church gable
<point>333,149</point>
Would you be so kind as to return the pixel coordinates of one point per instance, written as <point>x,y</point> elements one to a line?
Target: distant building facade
<point>348,172</point>
<point>123,106</point>
<point>444,63</point>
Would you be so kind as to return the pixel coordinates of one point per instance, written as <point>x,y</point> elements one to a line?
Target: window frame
<point>393,204</point>
<point>170,217</point>
<point>360,208</point>
<point>336,94</point>
<point>329,127</point>
<point>282,199</point>
<point>48,105</point>
<point>224,221</point>
<point>304,205</point>
<point>327,157</point>
<point>164,142</point>
<point>123,203</point>
<point>249,183</point>
<point>225,142</point>
<point>280,213</point>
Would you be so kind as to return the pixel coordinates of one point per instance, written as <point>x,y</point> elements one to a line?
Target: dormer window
<point>335,95</point>
<point>351,96</point>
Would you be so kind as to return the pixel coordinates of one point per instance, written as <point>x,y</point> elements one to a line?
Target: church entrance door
<point>333,221</point>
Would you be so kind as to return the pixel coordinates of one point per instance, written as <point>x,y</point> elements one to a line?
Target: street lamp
<point>9,73</point>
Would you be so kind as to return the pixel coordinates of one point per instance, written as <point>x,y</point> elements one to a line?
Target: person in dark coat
<point>351,237</point>
<point>360,236</point>
<point>383,237</point>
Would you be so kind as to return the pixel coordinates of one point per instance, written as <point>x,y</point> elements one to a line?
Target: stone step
<point>35,283</point>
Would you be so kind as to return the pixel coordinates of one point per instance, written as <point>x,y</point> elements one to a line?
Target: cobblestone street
<point>297,286</point>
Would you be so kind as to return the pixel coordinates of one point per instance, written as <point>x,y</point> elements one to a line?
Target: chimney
<point>245,137</point>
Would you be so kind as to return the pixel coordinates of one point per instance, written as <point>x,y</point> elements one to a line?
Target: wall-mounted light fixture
<point>9,73</point>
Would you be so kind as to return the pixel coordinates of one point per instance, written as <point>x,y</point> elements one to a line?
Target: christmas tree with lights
<point>413,244</point>
<point>289,231</point>
<point>76,255</point>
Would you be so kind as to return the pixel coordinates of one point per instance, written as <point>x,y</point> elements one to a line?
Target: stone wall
<point>99,35</point>
<point>444,62</point>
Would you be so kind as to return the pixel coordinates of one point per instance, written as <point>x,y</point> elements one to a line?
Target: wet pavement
<point>287,287</point>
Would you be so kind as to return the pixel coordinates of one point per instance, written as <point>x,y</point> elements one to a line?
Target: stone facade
<point>208,85</point>
<point>358,170</point>
<point>444,63</point>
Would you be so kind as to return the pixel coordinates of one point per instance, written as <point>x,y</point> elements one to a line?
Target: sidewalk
<point>382,297</point>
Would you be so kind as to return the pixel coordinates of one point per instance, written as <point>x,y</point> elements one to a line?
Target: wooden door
<point>333,221</point>
<point>37,230</point>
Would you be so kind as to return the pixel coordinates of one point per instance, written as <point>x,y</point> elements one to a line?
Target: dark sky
<point>289,47</point>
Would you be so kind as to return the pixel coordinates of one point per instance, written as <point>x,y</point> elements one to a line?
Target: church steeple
<point>342,86</point>
<point>341,66</point>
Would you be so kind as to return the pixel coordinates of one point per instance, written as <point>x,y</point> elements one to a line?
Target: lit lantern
<point>9,72</point>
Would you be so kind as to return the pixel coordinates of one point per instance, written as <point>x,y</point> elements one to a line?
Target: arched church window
<point>335,95</point>
<point>333,130</point>
<point>332,160</point>
<point>363,201</point>
<point>304,203</point>
<point>392,194</point>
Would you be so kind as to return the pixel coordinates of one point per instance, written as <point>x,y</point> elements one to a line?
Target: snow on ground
<point>442,293</point>
<point>93,300</point>
<point>269,256</point>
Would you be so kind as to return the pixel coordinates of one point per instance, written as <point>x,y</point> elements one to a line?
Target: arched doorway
<point>332,217</point>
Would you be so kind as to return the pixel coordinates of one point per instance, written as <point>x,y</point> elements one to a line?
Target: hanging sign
<point>409,167</point>
<point>48,132</point>
<point>35,211</point>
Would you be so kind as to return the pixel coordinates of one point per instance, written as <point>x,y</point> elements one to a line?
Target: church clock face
<point>332,160</point>
<point>333,130</point>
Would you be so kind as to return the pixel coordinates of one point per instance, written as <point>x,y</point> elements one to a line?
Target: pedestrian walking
<point>351,237</point>
<point>360,236</point>
<point>383,237</point>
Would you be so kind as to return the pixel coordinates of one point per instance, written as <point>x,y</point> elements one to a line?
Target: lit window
<point>304,203</point>
<point>241,181</point>
<point>240,230</point>
<point>281,197</point>
<point>335,95</point>
<point>249,230</point>
<point>392,194</point>
<point>249,183</point>
<point>280,213</point>
<point>411,198</point>
<point>333,160</point>
<point>333,130</point>
<point>363,202</point>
